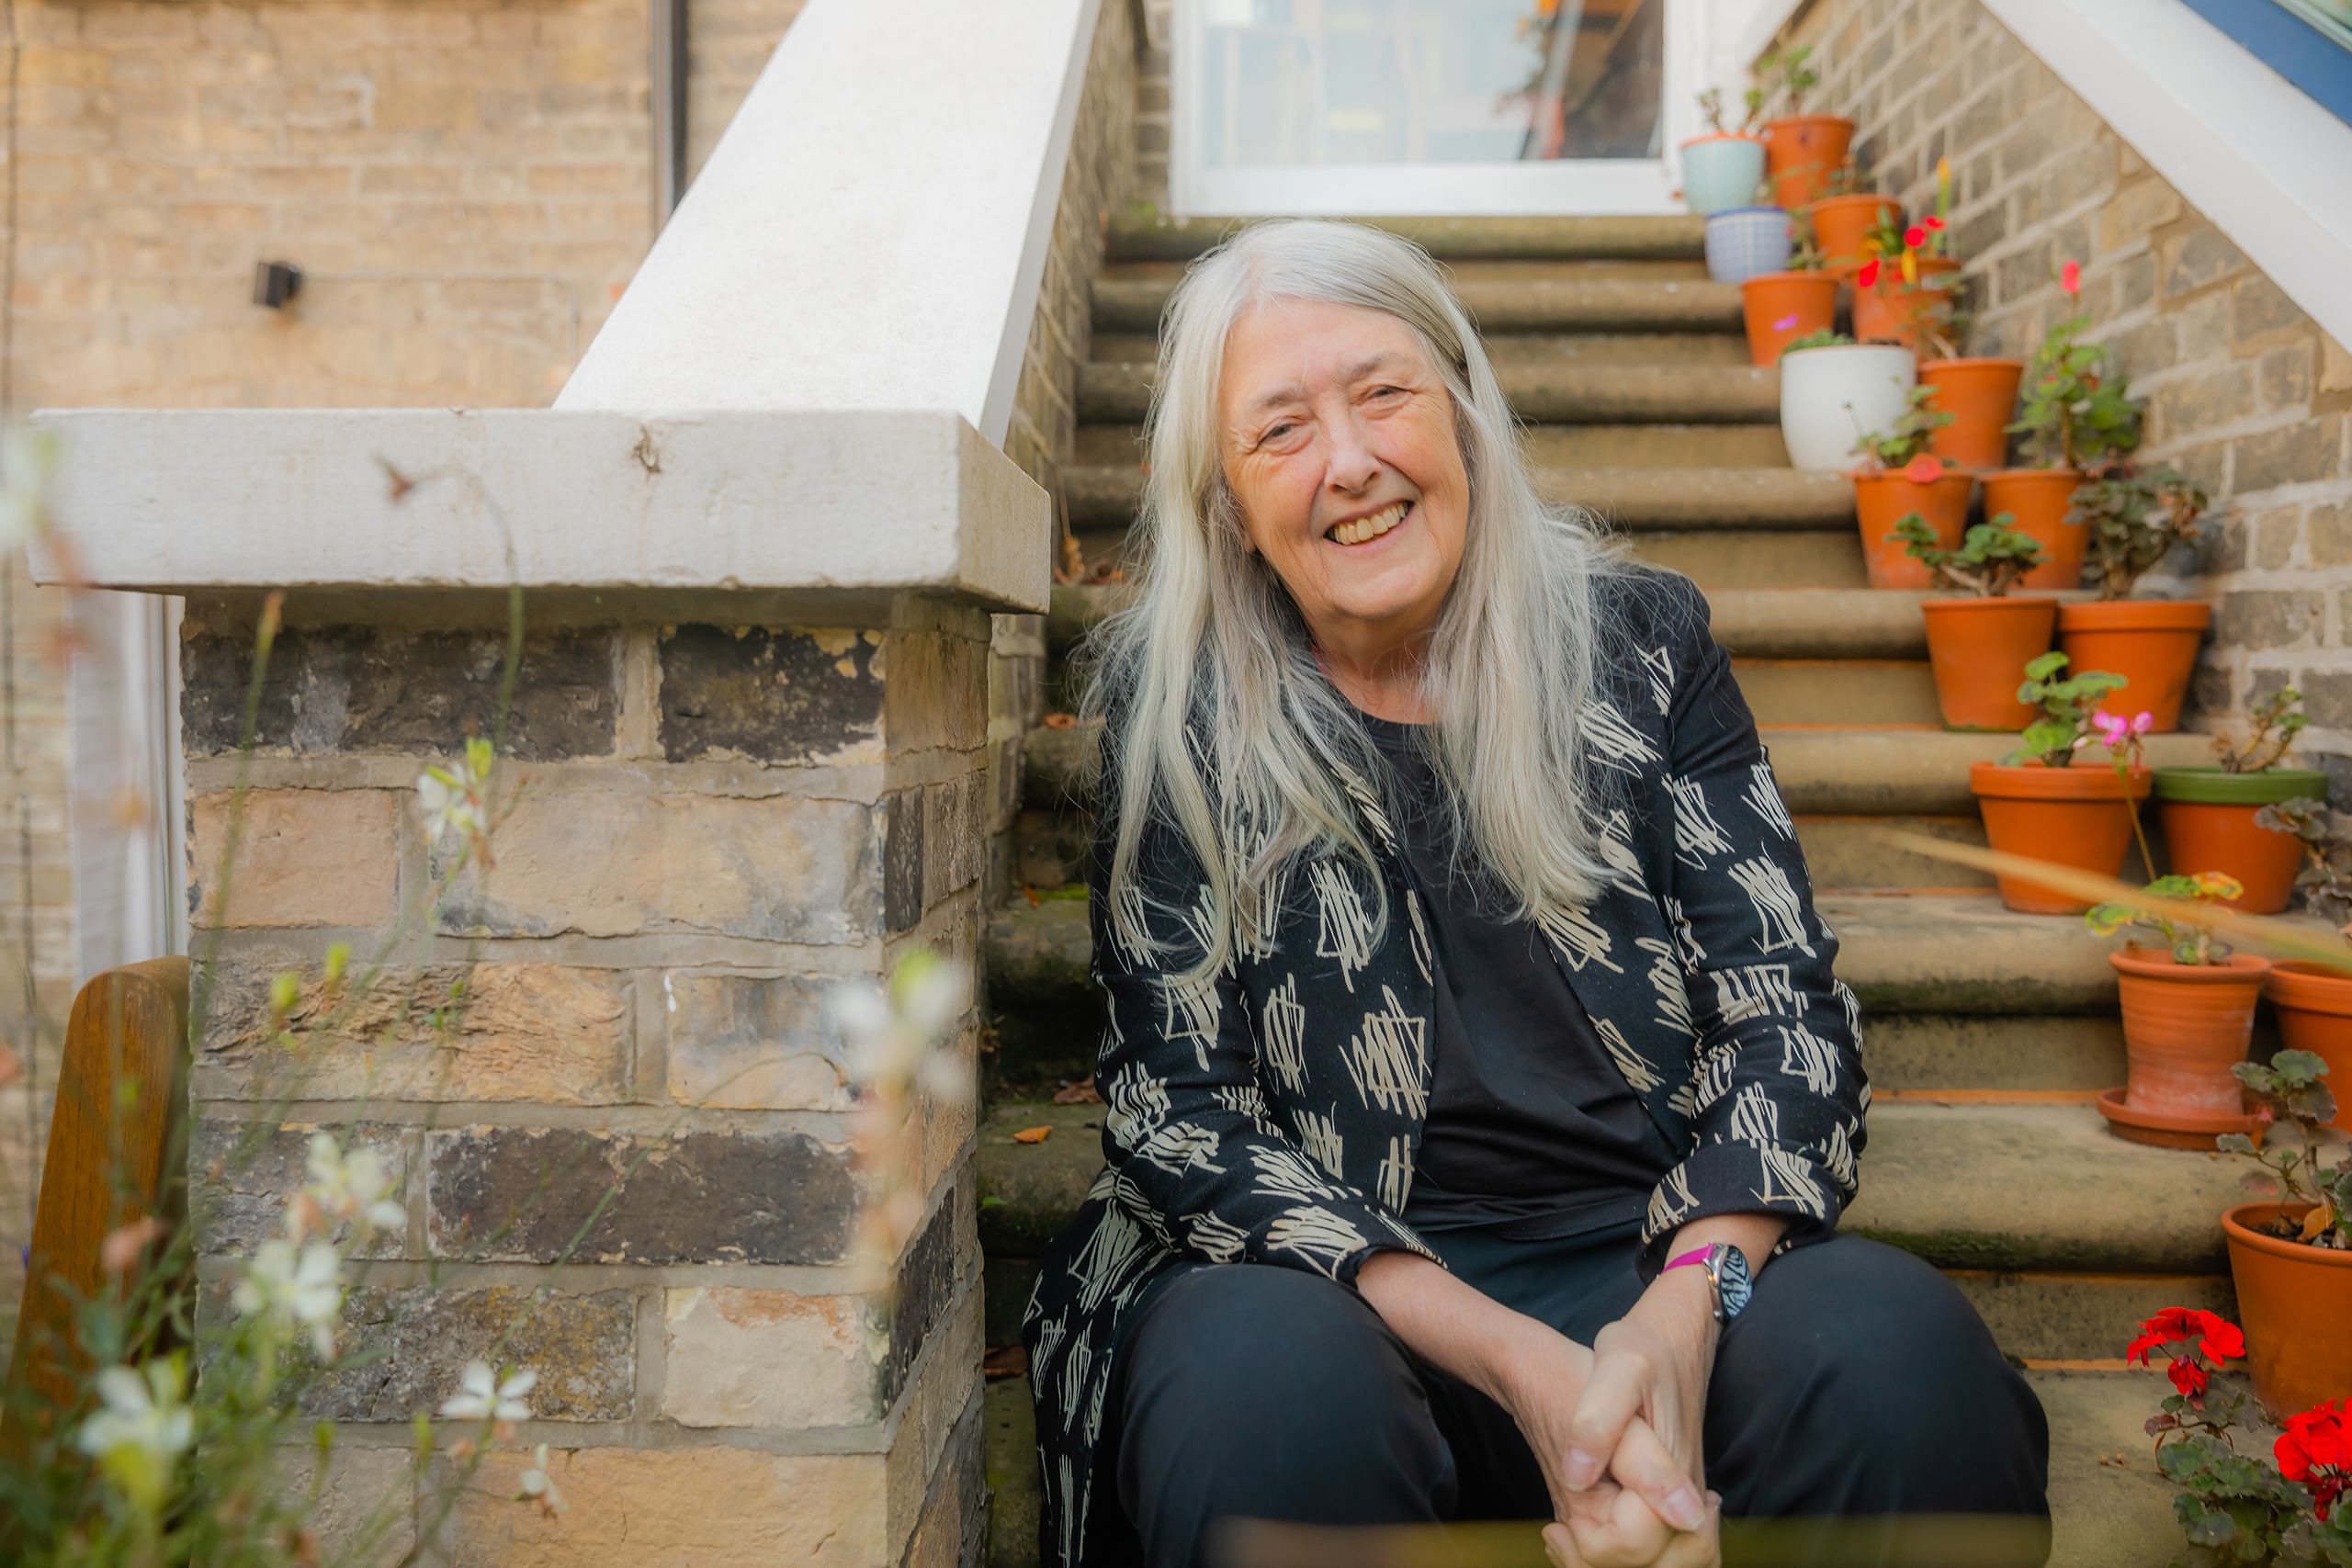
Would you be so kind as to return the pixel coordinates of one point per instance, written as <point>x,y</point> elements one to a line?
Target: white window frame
<point>1568,186</point>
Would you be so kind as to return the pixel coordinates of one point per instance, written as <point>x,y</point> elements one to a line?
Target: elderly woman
<point>1479,1098</point>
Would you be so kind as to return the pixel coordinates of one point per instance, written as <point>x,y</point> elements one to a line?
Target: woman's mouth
<point>1364,530</point>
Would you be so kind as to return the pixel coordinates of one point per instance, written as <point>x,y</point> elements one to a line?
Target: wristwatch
<point>1726,1268</point>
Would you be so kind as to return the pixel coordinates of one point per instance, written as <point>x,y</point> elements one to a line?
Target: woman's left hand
<point>1654,1362</point>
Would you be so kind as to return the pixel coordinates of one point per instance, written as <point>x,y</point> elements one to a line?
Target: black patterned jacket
<point>1272,1115</point>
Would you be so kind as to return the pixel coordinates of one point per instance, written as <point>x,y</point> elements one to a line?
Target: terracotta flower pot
<point>1801,153</point>
<point>1722,170</point>
<point>1891,309</point>
<point>1979,395</point>
<point>2185,1026</point>
<point>1977,650</point>
<point>2152,643</point>
<point>2314,1008</point>
<point>2078,817</point>
<point>2037,499</point>
<point>2295,1304</point>
<point>2208,826</point>
<point>1880,499</point>
<point>1841,223</point>
<point>1782,306</point>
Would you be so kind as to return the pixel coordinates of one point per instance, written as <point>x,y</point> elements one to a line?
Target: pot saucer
<point>2175,1129</point>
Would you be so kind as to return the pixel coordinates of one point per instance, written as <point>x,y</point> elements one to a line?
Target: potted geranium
<point>1906,280</point>
<point>1899,476</point>
<point>2313,1001</point>
<point>2291,1256</point>
<point>2127,520</point>
<point>1800,149</point>
<point>1831,387</point>
<point>1779,308</point>
<point>1978,636</point>
<point>1844,224</point>
<point>2212,815</point>
<point>2073,415</point>
<point>1724,168</point>
<point>2039,801</point>
<point>2234,1508</point>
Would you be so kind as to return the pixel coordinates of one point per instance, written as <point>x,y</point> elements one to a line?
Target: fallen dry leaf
<point>1080,1093</point>
<point>2318,1222</point>
<point>1004,1361</point>
<point>1032,1134</point>
<point>1062,721</point>
<point>1031,894</point>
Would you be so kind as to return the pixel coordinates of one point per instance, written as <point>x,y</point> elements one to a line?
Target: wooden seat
<point>117,1154</point>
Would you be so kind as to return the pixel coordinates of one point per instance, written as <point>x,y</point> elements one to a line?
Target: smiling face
<point>1337,436</point>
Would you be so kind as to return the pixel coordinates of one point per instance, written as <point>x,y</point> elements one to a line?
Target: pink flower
<point>2070,277</point>
<point>2112,729</point>
<point>1924,469</point>
<point>1786,323</point>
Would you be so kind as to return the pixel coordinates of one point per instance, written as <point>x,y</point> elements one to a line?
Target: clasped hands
<point>1619,1429</point>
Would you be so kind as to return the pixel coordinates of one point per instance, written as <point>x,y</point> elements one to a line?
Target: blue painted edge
<point>2315,61</point>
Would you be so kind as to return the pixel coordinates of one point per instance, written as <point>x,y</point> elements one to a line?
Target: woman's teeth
<point>1365,529</point>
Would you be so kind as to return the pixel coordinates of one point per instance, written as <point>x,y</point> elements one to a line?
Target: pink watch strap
<point>1696,1255</point>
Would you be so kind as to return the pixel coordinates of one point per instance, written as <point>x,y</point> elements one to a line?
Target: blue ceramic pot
<point>1746,242</point>
<point>1721,172</point>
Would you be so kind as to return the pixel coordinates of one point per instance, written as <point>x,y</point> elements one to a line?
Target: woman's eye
<point>1277,432</point>
<point>1379,391</point>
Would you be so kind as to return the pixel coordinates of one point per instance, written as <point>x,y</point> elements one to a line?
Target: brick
<point>955,835</point>
<point>902,861</point>
<point>363,1514</point>
<point>2261,312</point>
<point>771,695</point>
<point>2267,618</point>
<point>2273,533</point>
<point>2327,529</point>
<point>2205,401</point>
<point>771,1359</point>
<point>2327,698</point>
<point>705,1506</point>
<point>2201,255</point>
<point>303,858</point>
<point>2295,453</point>
<point>938,691</point>
<point>357,689</point>
<point>521,1193</point>
<point>242,1174</point>
<point>2287,377</point>
<point>2334,366</point>
<point>413,1343</point>
<point>755,1042</point>
<point>781,869</point>
<point>2137,209</point>
<point>507,1032</point>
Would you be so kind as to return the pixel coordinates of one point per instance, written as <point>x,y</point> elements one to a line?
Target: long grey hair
<point>1209,674</point>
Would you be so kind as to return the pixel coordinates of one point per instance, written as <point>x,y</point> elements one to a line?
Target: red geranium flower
<point>2189,1377</point>
<point>1924,469</point>
<point>1932,221</point>
<point>2216,1336</point>
<point>2070,277</point>
<point>2316,1449</point>
<point>1915,236</point>
<point>1868,277</point>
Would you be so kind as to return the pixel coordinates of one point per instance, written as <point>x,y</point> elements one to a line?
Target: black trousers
<point>1859,1387</point>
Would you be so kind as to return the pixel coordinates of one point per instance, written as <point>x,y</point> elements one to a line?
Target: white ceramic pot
<point>1830,396</point>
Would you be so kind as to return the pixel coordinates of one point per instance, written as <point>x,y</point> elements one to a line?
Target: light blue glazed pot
<point>1721,172</point>
<point>1746,242</point>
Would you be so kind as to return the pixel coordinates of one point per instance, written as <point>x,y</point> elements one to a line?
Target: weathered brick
<point>521,1193</point>
<point>455,1031</point>
<point>2327,698</point>
<point>304,857</point>
<point>2294,454</point>
<point>413,1342</point>
<point>2137,209</point>
<point>362,1513</point>
<point>242,1175</point>
<point>676,1507</point>
<point>2208,399</point>
<point>360,689</point>
<point>2327,527</point>
<point>2274,533</point>
<point>2267,618</point>
<point>770,694</point>
<point>955,835</point>
<point>783,868</point>
<point>2260,311</point>
<point>755,1042</point>
<point>2202,255</point>
<point>902,861</point>
<point>772,1358</point>
<point>937,696</point>
<point>2287,377</point>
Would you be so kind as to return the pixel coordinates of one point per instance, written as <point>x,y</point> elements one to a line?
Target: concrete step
<point>1697,500</point>
<point>1552,300</point>
<point>1585,446</point>
<point>1914,953</point>
<point>1675,237</point>
<point>1722,349</point>
<point>1852,692</point>
<point>1558,390</point>
<point>2103,1515</point>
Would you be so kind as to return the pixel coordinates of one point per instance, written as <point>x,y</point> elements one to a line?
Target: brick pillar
<point>727,811</point>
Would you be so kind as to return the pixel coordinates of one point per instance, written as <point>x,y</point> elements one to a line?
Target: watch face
<point>1731,1283</point>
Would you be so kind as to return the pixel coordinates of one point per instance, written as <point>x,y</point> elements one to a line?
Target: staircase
<point>1986,1033</point>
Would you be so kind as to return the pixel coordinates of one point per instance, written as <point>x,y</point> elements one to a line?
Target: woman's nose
<point>1353,464</point>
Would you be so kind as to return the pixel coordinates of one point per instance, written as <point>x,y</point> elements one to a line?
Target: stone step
<point>2103,1515</point>
<point>1564,390</point>
<point>1834,770</point>
<point>1698,500</point>
<point>1586,446</point>
<point>1553,300</point>
<point>1675,237</point>
<point>1725,349</point>
<point>1914,953</point>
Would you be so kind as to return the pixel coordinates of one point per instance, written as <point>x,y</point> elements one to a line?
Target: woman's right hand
<point>1636,1516</point>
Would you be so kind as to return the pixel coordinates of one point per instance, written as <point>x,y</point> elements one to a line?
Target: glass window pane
<point>1292,83</point>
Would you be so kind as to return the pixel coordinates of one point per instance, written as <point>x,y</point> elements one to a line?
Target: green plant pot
<point>2212,787</point>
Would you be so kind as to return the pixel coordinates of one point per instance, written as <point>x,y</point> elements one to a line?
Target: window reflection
<point>1289,82</point>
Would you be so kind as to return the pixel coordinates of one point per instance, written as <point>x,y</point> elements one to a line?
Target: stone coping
<point>828,511</point>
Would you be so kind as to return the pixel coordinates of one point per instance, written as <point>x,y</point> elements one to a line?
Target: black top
<point>1532,1131</point>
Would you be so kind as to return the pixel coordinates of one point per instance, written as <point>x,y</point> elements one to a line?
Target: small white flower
<point>142,1426</point>
<point>452,798</point>
<point>536,1484</point>
<point>352,1187</point>
<point>305,1289</point>
<point>479,1394</point>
